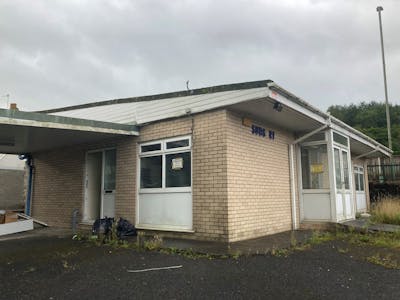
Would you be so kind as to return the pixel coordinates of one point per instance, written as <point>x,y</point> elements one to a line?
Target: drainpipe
<point>292,185</point>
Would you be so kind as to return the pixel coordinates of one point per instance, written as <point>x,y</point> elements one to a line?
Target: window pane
<point>361,182</point>
<point>357,181</point>
<point>150,172</point>
<point>320,136</point>
<point>153,147</point>
<point>346,170</point>
<point>109,169</point>
<point>314,166</point>
<point>178,170</point>
<point>338,171</point>
<point>178,144</point>
<point>338,138</point>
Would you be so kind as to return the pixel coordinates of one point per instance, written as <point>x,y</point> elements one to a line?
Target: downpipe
<point>292,186</point>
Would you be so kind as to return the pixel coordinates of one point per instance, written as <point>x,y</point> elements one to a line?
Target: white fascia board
<point>372,144</point>
<point>33,123</point>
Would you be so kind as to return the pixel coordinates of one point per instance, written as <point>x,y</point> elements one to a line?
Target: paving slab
<point>364,224</point>
<point>38,232</point>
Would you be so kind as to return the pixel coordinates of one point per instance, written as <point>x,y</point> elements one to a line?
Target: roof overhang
<point>27,132</point>
<point>300,118</point>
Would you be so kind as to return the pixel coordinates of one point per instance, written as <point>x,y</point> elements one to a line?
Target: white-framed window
<point>315,166</point>
<point>166,165</point>
<point>340,139</point>
<point>359,178</point>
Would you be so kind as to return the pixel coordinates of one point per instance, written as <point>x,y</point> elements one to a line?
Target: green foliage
<point>153,243</point>
<point>370,118</point>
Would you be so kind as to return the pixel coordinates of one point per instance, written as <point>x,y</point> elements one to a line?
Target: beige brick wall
<point>58,185</point>
<point>209,187</point>
<point>12,194</point>
<point>259,197</point>
<point>233,171</point>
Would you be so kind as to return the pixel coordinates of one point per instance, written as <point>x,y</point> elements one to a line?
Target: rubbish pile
<point>123,227</point>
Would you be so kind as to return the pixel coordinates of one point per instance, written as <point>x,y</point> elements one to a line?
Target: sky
<point>60,53</point>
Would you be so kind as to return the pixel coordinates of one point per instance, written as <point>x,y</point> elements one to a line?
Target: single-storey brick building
<point>223,163</point>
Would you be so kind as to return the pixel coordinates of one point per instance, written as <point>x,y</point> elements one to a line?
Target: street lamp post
<point>379,9</point>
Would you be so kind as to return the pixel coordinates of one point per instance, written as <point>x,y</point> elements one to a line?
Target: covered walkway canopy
<point>28,132</point>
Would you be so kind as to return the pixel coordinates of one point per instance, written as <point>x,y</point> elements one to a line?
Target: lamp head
<point>379,8</point>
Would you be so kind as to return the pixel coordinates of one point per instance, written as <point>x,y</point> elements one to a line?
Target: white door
<point>344,202</point>
<point>359,182</point>
<point>100,185</point>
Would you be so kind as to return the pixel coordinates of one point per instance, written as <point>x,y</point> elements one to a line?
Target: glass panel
<point>338,171</point>
<point>338,138</point>
<point>178,170</point>
<point>314,167</point>
<point>178,144</point>
<point>109,169</point>
<point>150,172</point>
<point>153,147</point>
<point>361,182</point>
<point>320,136</point>
<point>346,170</point>
<point>357,181</point>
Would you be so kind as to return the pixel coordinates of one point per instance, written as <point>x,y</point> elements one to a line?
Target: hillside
<point>370,118</point>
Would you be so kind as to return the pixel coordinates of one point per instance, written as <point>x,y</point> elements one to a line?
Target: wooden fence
<point>384,181</point>
<point>384,173</point>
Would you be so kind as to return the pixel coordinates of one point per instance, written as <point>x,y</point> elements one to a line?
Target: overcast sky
<point>59,53</point>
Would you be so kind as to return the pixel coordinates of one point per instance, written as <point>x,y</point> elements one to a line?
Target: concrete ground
<point>52,267</point>
<point>364,224</point>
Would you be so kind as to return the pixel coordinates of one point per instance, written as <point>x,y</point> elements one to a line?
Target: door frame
<point>85,181</point>
<point>356,192</point>
<point>343,191</point>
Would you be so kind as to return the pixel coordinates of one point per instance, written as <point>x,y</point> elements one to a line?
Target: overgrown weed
<point>386,211</point>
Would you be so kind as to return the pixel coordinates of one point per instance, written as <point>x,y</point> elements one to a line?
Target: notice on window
<point>177,163</point>
<point>317,168</point>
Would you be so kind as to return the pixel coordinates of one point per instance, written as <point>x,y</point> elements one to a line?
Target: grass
<point>386,261</point>
<point>378,245</point>
<point>386,211</point>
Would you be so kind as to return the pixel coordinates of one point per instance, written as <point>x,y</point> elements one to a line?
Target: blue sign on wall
<point>260,131</point>
<point>257,130</point>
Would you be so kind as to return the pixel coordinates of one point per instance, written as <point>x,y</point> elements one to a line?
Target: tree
<point>370,118</point>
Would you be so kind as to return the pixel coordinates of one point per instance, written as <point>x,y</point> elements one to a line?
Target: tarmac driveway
<point>59,268</point>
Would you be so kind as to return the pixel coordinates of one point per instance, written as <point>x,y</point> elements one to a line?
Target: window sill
<point>163,228</point>
<point>166,190</point>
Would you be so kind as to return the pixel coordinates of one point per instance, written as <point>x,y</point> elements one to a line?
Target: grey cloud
<point>57,53</point>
